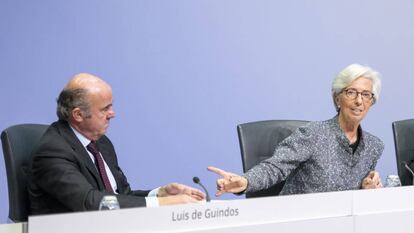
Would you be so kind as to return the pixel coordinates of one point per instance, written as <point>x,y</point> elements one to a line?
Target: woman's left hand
<point>372,181</point>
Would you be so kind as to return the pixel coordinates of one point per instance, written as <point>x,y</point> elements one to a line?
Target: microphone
<point>197,181</point>
<point>408,169</point>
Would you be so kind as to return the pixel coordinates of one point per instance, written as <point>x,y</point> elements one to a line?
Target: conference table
<point>360,211</point>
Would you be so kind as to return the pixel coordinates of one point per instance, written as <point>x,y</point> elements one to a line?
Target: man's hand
<point>372,181</point>
<point>176,199</point>
<point>229,183</point>
<point>176,189</point>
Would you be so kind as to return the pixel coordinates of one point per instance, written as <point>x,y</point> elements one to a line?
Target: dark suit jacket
<point>64,179</point>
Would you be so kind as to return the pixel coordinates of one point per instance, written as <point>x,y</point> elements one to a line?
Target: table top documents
<point>13,228</point>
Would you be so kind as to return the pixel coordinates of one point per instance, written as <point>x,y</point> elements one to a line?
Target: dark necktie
<point>100,164</point>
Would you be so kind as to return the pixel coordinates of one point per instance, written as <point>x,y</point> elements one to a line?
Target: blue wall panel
<point>185,73</point>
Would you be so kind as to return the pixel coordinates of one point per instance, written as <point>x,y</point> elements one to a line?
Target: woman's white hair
<point>349,74</point>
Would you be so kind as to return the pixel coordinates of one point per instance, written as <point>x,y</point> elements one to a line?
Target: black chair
<point>404,148</point>
<point>18,143</point>
<point>258,141</point>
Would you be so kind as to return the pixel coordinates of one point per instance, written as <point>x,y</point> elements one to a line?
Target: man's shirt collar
<point>81,138</point>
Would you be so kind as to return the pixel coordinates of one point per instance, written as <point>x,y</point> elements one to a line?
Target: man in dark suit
<point>75,164</point>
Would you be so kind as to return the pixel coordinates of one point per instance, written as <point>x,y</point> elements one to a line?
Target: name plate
<point>202,216</point>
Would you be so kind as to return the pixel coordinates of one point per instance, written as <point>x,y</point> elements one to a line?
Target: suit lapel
<point>80,151</point>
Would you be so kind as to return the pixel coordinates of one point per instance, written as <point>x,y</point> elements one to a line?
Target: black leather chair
<point>404,148</point>
<point>258,141</point>
<point>18,143</point>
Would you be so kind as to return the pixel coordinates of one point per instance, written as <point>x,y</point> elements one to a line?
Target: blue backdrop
<point>185,73</point>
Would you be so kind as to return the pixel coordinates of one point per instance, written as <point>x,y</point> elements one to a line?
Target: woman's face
<point>355,100</point>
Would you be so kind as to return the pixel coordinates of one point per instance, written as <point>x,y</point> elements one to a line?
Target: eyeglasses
<point>353,94</point>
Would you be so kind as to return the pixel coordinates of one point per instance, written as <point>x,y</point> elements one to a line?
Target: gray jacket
<point>317,158</point>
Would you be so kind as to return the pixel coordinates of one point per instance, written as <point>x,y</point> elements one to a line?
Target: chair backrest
<point>258,141</point>
<point>404,148</point>
<point>18,143</point>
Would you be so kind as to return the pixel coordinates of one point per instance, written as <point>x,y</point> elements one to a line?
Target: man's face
<point>101,111</point>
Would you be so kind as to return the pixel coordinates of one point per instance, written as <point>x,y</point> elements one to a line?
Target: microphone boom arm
<point>197,181</point>
<point>408,169</point>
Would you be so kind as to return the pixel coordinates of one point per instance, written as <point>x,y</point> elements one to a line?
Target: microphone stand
<point>197,181</point>
<point>408,169</point>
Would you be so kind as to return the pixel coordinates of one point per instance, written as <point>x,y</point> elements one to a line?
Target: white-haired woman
<point>324,156</point>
